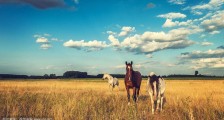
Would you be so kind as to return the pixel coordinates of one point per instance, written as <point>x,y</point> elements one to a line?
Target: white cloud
<point>42,40</point>
<point>126,30</point>
<point>45,46</point>
<point>172,35</point>
<point>114,41</point>
<point>138,66</point>
<point>145,43</point>
<point>88,46</point>
<point>54,39</point>
<point>172,15</point>
<point>195,29</point>
<point>178,2</point>
<point>170,23</point>
<point>150,42</point>
<point>204,17</point>
<point>205,59</point>
<point>208,63</point>
<point>202,35</point>
<point>149,56</point>
<point>214,32</point>
<point>197,12</point>
<point>186,23</point>
<point>211,5</point>
<point>111,33</point>
<point>205,43</point>
<point>120,66</point>
<point>203,6</point>
<point>157,46</point>
<point>207,54</point>
<point>171,65</point>
<point>214,23</point>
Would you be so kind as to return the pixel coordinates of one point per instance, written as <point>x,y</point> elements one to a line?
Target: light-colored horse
<point>113,81</point>
<point>157,98</point>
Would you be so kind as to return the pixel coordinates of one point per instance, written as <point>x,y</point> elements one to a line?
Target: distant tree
<point>46,76</point>
<point>196,73</point>
<point>99,76</point>
<point>70,74</point>
<point>52,76</point>
<point>75,74</point>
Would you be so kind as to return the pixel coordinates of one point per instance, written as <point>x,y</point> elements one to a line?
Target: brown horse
<point>132,80</point>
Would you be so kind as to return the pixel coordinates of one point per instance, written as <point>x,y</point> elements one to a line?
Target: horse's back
<point>161,83</point>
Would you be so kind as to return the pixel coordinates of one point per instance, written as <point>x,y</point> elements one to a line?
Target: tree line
<point>78,74</point>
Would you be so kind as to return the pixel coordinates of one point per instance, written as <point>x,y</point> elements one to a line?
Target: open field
<point>92,99</point>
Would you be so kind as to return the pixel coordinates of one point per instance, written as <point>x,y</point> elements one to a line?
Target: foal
<point>156,88</point>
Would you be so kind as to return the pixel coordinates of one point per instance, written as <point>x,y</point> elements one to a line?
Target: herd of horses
<point>155,86</point>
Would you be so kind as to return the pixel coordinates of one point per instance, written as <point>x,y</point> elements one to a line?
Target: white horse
<point>158,95</point>
<point>113,81</point>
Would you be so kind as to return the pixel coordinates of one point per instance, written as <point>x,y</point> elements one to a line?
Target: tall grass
<point>92,99</point>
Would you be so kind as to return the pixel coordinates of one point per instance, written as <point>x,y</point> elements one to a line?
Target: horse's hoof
<point>153,112</point>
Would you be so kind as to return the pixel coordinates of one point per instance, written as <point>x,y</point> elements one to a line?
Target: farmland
<point>81,99</point>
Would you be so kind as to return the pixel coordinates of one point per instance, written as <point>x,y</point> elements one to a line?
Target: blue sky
<point>164,36</point>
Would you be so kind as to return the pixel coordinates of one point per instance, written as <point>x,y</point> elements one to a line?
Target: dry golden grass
<point>92,99</point>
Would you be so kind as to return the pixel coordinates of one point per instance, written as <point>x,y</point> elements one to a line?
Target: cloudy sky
<point>98,36</point>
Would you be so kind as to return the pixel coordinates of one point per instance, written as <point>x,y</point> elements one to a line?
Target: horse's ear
<point>126,62</point>
<point>131,62</point>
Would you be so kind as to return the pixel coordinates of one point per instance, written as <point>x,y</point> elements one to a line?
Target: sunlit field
<point>80,99</point>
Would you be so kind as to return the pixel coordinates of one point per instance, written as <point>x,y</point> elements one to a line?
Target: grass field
<point>92,99</point>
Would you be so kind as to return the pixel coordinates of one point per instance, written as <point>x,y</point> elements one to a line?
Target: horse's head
<point>104,76</point>
<point>129,70</point>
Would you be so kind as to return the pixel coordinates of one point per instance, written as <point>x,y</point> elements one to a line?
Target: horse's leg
<point>134,94</point>
<point>138,92</point>
<point>128,95</point>
<point>161,103</point>
<point>152,101</point>
<point>158,101</point>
